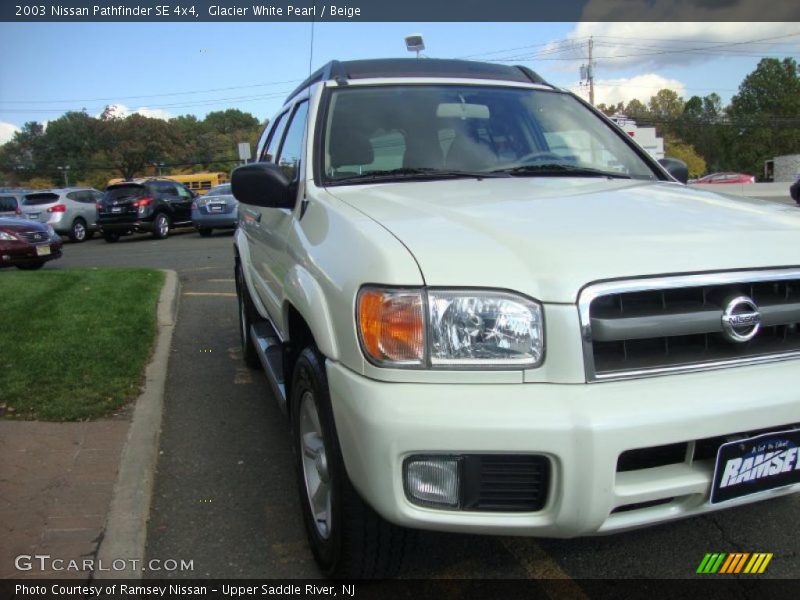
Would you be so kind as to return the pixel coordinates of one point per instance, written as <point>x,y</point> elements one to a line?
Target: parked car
<point>153,204</point>
<point>486,309</point>
<point>27,244</point>
<point>70,211</point>
<point>218,209</point>
<point>726,178</point>
<point>11,204</point>
<point>794,190</point>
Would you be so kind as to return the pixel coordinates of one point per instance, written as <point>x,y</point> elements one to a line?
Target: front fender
<point>304,293</point>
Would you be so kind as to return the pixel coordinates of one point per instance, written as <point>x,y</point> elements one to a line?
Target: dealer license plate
<point>42,250</point>
<point>756,464</point>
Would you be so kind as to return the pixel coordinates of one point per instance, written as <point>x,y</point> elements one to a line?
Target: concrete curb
<point>125,533</point>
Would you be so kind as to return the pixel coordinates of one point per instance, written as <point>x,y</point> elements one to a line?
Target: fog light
<point>432,480</point>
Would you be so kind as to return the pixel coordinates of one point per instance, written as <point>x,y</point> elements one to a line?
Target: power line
<point>209,102</point>
<point>117,98</point>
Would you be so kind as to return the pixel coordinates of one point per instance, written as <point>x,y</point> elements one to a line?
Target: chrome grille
<point>34,237</point>
<point>672,324</point>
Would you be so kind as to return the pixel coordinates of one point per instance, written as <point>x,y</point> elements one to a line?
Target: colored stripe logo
<point>734,563</point>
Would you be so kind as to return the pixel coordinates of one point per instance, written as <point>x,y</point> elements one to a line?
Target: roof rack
<point>344,71</point>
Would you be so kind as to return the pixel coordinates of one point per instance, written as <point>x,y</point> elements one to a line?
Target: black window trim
<point>275,126</point>
<point>294,110</point>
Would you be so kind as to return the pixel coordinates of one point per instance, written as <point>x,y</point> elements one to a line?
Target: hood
<point>21,225</point>
<point>549,237</point>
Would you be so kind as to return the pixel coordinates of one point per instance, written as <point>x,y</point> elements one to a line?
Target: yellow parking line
<point>229,294</point>
<point>539,565</point>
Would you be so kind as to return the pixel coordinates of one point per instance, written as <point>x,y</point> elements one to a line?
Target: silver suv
<point>71,211</point>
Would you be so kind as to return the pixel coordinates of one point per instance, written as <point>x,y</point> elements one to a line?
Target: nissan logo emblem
<point>741,319</point>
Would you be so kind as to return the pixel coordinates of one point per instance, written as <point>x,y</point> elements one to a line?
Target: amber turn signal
<point>391,326</point>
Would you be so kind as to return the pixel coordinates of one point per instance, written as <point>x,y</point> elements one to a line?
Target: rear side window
<point>124,192</point>
<point>43,198</point>
<point>166,188</point>
<point>8,204</point>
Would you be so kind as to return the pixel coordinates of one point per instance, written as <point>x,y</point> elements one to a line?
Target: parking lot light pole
<point>65,171</point>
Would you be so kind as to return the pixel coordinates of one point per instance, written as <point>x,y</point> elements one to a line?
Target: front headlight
<point>7,237</point>
<point>484,329</point>
<point>450,328</point>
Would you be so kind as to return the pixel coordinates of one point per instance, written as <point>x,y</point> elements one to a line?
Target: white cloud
<point>120,110</point>
<point>641,87</point>
<point>619,45</point>
<point>7,131</point>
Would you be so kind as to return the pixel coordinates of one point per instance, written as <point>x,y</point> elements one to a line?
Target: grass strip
<point>74,343</point>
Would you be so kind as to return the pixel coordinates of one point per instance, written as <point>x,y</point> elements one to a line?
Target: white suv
<point>486,309</point>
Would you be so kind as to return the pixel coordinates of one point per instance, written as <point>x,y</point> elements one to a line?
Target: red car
<point>726,178</point>
<point>27,244</point>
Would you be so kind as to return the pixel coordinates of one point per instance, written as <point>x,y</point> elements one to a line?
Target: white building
<point>644,136</point>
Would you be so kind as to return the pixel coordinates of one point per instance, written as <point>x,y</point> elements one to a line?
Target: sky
<point>168,69</point>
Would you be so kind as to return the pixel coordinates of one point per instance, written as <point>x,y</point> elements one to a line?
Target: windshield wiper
<point>550,169</point>
<point>417,173</point>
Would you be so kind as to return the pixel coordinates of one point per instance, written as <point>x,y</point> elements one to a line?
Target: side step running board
<point>270,352</point>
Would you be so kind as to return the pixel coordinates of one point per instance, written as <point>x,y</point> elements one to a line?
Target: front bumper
<point>18,253</point>
<point>581,428</point>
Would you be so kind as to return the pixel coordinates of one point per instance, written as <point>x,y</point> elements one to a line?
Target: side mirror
<point>676,168</point>
<point>262,184</point>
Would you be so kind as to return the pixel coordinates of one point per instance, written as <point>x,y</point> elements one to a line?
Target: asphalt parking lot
<point>226,496</point>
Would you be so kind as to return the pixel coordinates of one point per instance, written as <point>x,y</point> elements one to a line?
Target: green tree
<point>765,114</point>
<point>636,110</point>
<point>132,143</point>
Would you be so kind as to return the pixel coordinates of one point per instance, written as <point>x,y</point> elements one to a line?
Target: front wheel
<point>348,538</point>
<point>161,226</point>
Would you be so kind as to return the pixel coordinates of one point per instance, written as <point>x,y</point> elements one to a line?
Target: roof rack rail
<point>533,76</point>
<point>343,71</point>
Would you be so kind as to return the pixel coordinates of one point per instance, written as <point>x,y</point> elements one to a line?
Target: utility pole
<point>590,71</point>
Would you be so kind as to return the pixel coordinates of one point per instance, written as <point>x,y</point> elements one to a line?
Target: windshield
<point>448,130</point>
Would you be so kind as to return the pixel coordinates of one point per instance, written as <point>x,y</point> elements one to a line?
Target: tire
<point>205,231</point>
<point>161,225</point>
<point>111,237</point>
<point>31,266</point>
<point>246,311</point>
<point>348,538</point>
<point>78,232</point>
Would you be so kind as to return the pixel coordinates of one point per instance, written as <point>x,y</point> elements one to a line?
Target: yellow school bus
<point>199,183</point>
